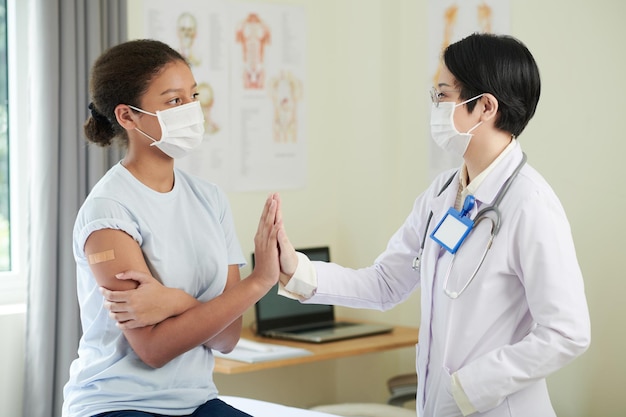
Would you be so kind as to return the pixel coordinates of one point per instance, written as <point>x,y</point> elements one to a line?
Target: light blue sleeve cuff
<point>303,283</point>
<point>460,397</point>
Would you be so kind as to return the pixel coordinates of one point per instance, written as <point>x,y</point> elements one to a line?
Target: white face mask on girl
<point>443,131</point>
<point>182,128</point>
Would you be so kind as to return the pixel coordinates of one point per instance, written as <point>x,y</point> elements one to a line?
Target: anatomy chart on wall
<point>450,21</point>
<point>267,86</point>
<point>249,63</point>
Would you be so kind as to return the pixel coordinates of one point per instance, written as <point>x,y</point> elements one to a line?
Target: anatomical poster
<point>268,92</point>
<point>450,21</point>
<point>249,63</point>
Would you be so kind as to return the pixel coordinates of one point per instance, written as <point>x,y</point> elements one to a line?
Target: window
<point>13,71</point>
<point>5,197</point>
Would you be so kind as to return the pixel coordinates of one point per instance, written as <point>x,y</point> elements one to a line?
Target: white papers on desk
<point>251,352</point>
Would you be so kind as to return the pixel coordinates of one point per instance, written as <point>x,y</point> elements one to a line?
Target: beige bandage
<point>96,258</point>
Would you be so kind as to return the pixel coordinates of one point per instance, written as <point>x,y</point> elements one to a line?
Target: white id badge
<point>452,230</point>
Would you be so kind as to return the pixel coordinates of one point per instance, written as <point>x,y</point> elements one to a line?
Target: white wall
<point>367,133</point>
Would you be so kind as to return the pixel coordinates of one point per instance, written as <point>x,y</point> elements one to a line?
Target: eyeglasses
<point>436,95</point>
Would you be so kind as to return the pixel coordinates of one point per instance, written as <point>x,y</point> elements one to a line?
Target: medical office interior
<point>368,145</point>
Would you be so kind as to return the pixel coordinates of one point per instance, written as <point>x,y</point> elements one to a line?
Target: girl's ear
<point>124,116</point>
<point>490,107</point>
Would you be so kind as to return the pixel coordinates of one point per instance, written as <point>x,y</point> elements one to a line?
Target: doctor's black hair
<point>502,66</point>
<point>121,75</point>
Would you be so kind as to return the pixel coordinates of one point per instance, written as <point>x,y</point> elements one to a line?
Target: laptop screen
<point>274,311</point>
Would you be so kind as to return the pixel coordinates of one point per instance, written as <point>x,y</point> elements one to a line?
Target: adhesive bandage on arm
<point>99,257</point>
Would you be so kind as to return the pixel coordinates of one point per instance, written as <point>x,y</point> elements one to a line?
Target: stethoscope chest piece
<point>417,261</point>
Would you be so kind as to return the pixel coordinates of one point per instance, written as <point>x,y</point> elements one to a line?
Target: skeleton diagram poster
<point>249,63</point>
<point>450,21</point>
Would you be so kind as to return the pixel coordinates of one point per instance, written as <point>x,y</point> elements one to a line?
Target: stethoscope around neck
<point>496,221</point>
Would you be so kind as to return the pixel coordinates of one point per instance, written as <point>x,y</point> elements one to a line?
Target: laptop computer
<point>283,318</point>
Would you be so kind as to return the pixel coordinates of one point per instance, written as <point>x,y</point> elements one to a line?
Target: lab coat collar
<point>443,202</point>
<point>487,191</point>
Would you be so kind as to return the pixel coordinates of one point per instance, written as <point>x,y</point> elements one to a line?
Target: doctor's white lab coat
<point>523,317</point>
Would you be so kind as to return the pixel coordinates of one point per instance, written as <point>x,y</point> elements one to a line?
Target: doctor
<point>502,297</point>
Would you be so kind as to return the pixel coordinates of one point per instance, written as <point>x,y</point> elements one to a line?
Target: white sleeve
<point>303,283</point>
<point>460,397</point>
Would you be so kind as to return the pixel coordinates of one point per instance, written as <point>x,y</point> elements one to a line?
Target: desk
<point>398,338</point>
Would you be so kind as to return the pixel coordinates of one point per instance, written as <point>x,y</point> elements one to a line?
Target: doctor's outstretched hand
<point>287,254</point>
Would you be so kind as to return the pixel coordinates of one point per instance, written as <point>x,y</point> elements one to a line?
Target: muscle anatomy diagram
<point>253,35</point>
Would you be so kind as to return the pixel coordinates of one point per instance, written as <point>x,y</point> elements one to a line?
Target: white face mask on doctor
<point>442,128</point>
<point>182,128</point>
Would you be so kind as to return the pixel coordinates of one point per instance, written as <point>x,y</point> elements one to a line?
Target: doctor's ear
<point>490,106</point>
<point>125,116</point>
